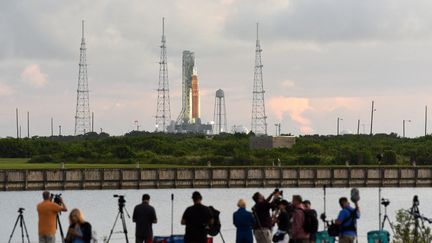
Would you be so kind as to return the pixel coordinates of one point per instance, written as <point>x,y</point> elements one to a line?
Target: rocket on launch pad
<point>195,96</point>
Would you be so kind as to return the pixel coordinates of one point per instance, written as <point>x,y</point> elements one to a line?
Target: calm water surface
<point>100,208</point>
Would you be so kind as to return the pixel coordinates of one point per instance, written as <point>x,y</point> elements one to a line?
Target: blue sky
<point>322,59</point>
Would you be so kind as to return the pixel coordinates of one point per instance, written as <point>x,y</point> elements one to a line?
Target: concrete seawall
<point>217,177</point>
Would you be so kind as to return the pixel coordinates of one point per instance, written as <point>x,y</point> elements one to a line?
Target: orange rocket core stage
<point>195,97</point>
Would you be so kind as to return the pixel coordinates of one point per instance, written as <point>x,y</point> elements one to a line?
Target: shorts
<point>46,238</point>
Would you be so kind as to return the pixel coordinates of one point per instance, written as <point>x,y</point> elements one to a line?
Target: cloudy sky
<point>322,59</point>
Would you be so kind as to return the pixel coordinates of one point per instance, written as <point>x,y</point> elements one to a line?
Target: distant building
<point>268,142</point>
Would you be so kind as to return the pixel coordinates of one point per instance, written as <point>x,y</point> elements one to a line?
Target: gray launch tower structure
<point>259,123</point>
<point>82,114</point>
<point>188,65</point>
<point>163,111</point>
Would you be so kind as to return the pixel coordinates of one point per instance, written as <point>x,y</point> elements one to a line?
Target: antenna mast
<point>259,123</point>
<point>163,111</point>
<point>82,115</point>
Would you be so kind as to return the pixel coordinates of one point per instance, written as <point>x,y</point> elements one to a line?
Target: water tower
<point>220,113</point>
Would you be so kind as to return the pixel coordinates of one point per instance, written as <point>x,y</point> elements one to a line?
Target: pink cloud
<point>33,75</point>
<point>295,107</point>
<point>5,89</point>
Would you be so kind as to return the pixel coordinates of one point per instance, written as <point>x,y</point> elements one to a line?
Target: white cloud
<point>288,84</point>
<point>33,75</point>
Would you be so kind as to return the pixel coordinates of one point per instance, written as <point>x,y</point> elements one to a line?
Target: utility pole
<point>372,117</point>
<point>17,121</point>
<point>28,124</point>
<point>92,127</point>
<point>52,127</point>
<point>403,127</point>
<point>338,125</point>
<point>358,127</point>
<point>426,120</point>
<point>278,129</point>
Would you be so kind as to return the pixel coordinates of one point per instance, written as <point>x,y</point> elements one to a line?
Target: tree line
<point>223,149</point>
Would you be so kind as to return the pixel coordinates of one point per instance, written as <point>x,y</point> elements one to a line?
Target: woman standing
<point>243,221</point>
<point>79,231</point>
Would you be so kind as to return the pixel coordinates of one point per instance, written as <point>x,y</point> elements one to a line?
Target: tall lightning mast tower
<point>82,115</point>
<point>163,111</point>
<point>259,123</point>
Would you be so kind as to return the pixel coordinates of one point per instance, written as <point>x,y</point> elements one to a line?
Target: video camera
<point>56,198</point>
<point>121,200</point>
<point>278,191</point>
<point>385,202</point>
<point>21,210</point>
<point>416,201</point>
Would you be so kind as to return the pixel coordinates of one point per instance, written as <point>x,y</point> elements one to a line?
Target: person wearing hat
<point>243,221</point>
<point>283,223</point>
<point>197,218</point>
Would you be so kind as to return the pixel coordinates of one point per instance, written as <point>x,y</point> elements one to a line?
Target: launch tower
<point>82,114</point>
<point>259,123</point>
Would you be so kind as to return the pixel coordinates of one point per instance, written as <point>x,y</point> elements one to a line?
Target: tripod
<point>120,214</point>
<point>387,219</point>
<point>23,226</point>
<point>60,228</point>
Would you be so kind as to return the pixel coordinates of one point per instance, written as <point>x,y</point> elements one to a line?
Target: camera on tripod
<point>21,210</point>
<point>385,202</point>
<point>121,200</point>
<point>57,198</point>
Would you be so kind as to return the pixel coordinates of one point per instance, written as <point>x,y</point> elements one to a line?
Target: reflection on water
<point>100,207</point>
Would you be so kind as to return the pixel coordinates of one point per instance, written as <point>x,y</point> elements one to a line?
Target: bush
<point>405,230</point>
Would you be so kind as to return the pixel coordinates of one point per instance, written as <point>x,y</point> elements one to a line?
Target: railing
<point>218,177</point>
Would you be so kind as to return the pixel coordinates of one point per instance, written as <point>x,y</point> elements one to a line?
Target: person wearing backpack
<point>311,220</point>
<point>197,219</point>
<point>299,235</point>
<point>347,221</point>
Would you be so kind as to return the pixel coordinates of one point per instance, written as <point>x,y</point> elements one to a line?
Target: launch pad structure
<point>189,119</point>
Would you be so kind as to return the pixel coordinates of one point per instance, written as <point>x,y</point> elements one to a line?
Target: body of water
<point>100,208</point>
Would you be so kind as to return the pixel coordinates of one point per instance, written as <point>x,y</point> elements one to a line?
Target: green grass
<point>22,163</point>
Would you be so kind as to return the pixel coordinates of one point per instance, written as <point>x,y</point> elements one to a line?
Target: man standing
<point>261,210</point>
<point>144,217</point>
<point>347,219</point>
<point>197,218</point>
<point>299,235</point>
<point>47,213</point>
<point>243,221</point>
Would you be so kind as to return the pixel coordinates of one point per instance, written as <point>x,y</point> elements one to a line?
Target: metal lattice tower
<point>82,115</point>
<point>220,113</point>
<point>163,111</point>
<point>259,123</point>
